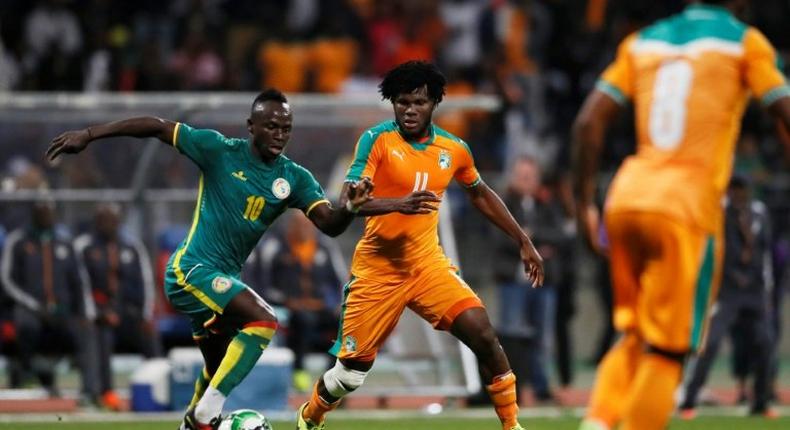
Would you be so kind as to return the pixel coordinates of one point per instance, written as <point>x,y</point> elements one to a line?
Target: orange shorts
<point>371,309</point>
<point>665,275</point>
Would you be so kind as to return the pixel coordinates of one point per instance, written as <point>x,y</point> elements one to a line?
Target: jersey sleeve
<point>466,174</point>
<point>307,194</point>
<point>366,157</point>
<point>200,145</point>
<point>617,81</point>
<point>762,68</point>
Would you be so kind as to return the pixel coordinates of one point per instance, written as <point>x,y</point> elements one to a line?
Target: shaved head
<point>271,94</point>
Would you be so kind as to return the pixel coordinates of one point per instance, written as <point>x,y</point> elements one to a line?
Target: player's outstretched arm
<point>589,130</point>
<point>489,203</point>
<point>415,203</point>
<point>334,221</point>
<point>72,142</point>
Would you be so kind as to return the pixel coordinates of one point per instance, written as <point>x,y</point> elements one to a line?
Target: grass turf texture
<point>702,423</point>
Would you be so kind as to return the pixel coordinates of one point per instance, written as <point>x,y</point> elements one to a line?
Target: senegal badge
<point>445,160</point>
<point>281,188</point>
<point>221,284</point>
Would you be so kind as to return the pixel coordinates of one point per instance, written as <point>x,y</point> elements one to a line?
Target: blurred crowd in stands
<point>540,57</point>
<point>529,52</point>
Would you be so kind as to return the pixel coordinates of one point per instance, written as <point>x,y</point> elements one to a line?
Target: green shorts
<point>202,293</point>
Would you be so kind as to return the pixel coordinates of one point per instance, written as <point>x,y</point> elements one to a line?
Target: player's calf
<point>241,356</point>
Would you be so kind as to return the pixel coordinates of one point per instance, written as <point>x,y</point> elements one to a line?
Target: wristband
<point>90,135</point>
<point>351,208</point>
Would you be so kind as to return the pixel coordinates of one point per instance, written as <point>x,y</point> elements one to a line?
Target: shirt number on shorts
<point>667,119</point>
<point>254,208</point>
<point>421,181</point>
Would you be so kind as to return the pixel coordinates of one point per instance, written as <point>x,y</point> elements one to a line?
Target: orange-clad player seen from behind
<point>689,78</point>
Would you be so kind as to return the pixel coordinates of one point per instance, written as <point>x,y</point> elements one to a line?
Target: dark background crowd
<point>539,57</point>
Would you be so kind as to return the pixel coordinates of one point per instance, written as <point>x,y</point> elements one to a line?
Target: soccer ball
<point>245,419</point>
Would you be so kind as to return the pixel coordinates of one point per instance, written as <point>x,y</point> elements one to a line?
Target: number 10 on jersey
<point>254,208</point>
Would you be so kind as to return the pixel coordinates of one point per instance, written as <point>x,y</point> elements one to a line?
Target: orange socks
<point>503,395</point>
<point>651,400</point>
<point>317,408</point>
<point>634,388</point>
<point>613,381</point>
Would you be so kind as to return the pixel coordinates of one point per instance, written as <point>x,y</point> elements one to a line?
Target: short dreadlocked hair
<point>411,75</point>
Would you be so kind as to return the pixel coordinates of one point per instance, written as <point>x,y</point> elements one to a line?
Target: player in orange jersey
<point>399,263</point>
<point>689,77</point>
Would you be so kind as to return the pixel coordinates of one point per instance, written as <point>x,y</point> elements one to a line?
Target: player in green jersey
<point>245,185</point>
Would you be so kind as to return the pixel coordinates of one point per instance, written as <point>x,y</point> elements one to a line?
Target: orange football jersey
<point>397,245</point>
<point>689,77</point>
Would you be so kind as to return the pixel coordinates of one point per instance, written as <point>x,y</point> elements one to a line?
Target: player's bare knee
<point>341,380</point>
<point>265,313</point>
<point>269,316</point>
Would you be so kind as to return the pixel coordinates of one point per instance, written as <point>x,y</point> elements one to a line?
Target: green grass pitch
<point>702,423</point>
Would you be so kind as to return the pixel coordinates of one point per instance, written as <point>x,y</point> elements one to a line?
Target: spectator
<point>777,304</point>
<point>749,163</point>
<point>562,200</point>
<point>54,40</point>
<point>107,36</point>
<point>303,272</point>
<point>9,69</point>
<point>384,35</point>
<point>196,65</point>
<point>462,49</point>
<point>51,304</point>
<point>335,52</point>
<point>422,33</point>
<point>527,314</point>
<point>743,294</point>
<point>284,64</point>
<point>151,73</point>
<point>122,285</point>
<point>7,330</point>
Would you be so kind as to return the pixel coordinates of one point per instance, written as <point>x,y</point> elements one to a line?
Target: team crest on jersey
<point>281,188</point>
<point>350,344</point>
<point>221,284</point>
<point>445,160</point>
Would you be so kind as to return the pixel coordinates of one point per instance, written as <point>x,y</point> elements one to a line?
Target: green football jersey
<point>239,197</point>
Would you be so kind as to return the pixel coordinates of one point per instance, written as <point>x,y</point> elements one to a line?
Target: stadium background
<point>518,69</point>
